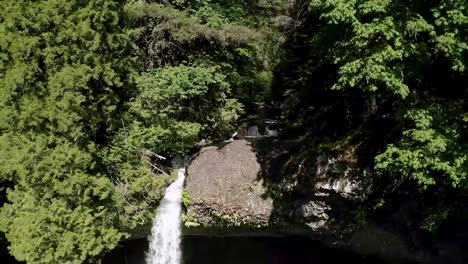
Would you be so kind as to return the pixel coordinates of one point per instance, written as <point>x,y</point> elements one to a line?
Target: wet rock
<point>343,178</point>
<point>315,209</point>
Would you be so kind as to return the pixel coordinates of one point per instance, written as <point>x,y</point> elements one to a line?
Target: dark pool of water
<point>241,250</point>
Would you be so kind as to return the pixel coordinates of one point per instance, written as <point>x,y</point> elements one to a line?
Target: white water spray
<point>165,236</point>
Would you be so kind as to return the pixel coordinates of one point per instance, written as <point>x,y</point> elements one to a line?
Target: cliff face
<point>242,184</point>
<point>250,188</point>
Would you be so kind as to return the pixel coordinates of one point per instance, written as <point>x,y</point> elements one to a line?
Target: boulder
<point>224,187</point>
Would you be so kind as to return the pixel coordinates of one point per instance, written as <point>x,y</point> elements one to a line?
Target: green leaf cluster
<point>431,149</point>
<point>378,38</point>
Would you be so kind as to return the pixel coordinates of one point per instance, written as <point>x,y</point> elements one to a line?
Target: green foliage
<point>217,13</point>
<point>64,73</point>
<point>234,221</point>
<point>53,51</point>
<point>185,198</point>
<point>178,105</point>
<point>386,53</point>
<point>188,219</point>
<point>88,88</point>
<point>171,36</point>
<point>202,34</point>
<point>434,220</point>
<point>84,233</point>
<point>140,192</point>
<point>378,38</point>
<point>56,196</point>
<point>431,151</point>
<point>174,108</point>
<point>386,77</point>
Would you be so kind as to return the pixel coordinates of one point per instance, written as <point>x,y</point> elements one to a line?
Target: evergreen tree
<point>64,75</point>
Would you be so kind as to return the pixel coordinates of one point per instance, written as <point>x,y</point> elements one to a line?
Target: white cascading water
<point>164,247</point>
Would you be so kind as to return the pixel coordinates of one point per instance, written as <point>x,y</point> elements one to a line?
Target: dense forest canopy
<point>91,92</point>
<point>89,88</point>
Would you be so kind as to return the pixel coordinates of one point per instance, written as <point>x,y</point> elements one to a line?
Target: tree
<point>64,76</point>
<point>174,109</point>
<point>389,48</point>
<point>79,113</point>
<point>226,35</point>
<point>389,77</point>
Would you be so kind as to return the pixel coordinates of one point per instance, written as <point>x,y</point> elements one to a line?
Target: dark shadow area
<point>243,250</point>
<point>5,257</point>
<point>284,184</point>
<point>290,173</point>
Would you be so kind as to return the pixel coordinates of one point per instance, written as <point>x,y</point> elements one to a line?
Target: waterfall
<point>164,247</point>
<point>252,131</point>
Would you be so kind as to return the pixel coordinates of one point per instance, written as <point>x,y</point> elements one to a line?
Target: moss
<point>189,220</point>
<point>185,198</point>
<point>233,220</point>
<point>360,216</point>
<point>218,220</point>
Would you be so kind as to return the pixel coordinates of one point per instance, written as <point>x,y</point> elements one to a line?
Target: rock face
<point>247,188</point>
<point>337,187</point>
<point>241,184</point>
<point>224,187</point>
<point>236,185</point>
